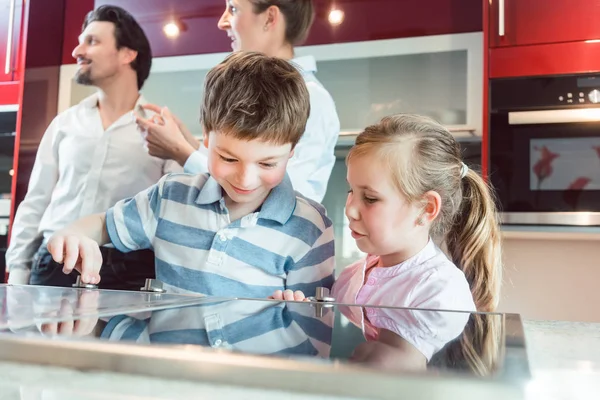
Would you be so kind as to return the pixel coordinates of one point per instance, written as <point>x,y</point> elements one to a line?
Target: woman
<point>272,27</point>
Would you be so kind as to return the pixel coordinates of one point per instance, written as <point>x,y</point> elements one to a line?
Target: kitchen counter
<point>564,359</point>
<point>164,345</point>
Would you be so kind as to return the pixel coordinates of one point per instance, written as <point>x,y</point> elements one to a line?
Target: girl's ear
<point>432,206</point>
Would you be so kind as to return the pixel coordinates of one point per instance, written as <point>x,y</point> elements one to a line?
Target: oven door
<point>545,165</point>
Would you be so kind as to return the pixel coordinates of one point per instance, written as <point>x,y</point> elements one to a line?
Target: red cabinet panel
<point>11,18</point>
<point>363,20</point>
<point>529,22</point>
<point>545,59</point>
<point>9,93</point>
<point>75,12</point>
<point>41,56</point>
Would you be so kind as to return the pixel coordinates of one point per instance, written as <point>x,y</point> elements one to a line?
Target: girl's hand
<point>288,295</point>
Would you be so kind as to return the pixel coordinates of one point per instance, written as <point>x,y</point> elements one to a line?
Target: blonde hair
<point>299,16</point>
<point>252,96</point>
<point>478,348</point>
<point>423,156</point>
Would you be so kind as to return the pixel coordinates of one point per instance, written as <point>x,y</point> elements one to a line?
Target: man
<point>91,156</point>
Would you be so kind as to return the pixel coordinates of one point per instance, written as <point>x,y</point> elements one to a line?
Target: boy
<point>240,230</point>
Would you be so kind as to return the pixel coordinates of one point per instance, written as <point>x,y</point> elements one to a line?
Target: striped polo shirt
<point>286,244</point>
<point>250,326</point>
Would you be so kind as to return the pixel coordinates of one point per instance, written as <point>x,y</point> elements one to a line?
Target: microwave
<point>544,149</point>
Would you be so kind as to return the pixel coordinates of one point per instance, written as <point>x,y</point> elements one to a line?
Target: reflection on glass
<point>367,89</point>
<point>364,89</point>
<point>261,327</point>
<point>393,340</point>
<point>25,306</point>
<point>477,350</point>
<point>565,164</point>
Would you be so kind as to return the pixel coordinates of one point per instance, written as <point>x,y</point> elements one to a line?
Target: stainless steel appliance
<point>544,149</point>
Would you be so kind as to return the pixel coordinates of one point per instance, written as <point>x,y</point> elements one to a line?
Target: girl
<point>272,27</point>
<point>407,186</point>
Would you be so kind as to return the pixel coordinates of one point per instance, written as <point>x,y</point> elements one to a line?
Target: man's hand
<point>166,136</point>
<point>77,252</point>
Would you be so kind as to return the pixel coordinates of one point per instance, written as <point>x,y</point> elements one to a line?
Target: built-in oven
<point>544,149</point>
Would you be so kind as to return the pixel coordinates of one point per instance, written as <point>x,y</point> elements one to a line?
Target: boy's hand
<point>288,295</point>
<point>77,252</point>
<point>78,319</point>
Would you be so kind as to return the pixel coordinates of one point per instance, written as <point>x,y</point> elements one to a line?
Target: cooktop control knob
<point>153,286</point>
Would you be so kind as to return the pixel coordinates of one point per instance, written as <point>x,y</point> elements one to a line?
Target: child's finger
<point>288,295</point>
<point>299,296</point>
<point>278,295</point>
<point>71,254</point>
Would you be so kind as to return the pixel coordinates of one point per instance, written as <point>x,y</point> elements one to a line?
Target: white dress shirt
<point>80,169</point>
<point>310,167</point>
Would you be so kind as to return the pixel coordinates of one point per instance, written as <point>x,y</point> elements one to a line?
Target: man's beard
<point>84,78</point>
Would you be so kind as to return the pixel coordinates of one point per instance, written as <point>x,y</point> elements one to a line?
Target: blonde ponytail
<point>474,242</point>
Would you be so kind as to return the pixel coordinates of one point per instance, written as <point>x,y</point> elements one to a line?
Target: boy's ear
<point>432,205</point>
<point>205,140</point>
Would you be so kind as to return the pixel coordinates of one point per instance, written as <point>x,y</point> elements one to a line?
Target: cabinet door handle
<point>11,23</point>
<point>500,17</point>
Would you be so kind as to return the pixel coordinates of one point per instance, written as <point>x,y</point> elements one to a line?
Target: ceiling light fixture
<point>336,17</point>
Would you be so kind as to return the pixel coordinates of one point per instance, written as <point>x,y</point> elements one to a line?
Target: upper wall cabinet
<point>352,21</point>
<point>530,22</point>
<point>375,57</point>
<point>11,17</point>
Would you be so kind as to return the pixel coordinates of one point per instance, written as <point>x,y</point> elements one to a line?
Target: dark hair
<point>128,33</point>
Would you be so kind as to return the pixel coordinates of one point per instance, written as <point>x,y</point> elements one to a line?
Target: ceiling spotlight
<point>171,30</point>
<point>336,17</point>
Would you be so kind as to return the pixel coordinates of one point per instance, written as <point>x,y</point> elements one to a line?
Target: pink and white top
<point>426,281</point>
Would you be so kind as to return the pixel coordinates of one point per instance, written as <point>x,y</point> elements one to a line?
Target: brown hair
<point>299,16</point>
<point>252,96</point>
<point>423,156</point>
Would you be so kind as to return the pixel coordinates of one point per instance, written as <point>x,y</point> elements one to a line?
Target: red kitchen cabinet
<point>533,22</point>
<point>11,20</point>
<point>363,20</point>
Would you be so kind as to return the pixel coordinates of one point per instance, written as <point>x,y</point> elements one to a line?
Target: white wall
<point>552,276</point>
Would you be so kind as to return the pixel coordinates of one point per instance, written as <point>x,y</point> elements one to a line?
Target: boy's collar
<point>278,206</point>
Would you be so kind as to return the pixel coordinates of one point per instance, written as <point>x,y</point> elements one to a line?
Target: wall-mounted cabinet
<point>439,76</point>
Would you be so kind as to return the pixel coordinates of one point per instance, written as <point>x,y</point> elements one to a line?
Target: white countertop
<point>564,359</point>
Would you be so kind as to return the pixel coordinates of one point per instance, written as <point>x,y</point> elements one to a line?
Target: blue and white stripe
<point>287,244</point>
<point>258,327</point>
